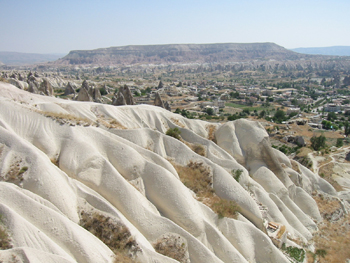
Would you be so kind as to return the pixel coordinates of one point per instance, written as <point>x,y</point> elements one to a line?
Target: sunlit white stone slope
<point>117,161</point>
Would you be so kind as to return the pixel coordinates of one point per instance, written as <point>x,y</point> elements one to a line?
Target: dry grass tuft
<point>121,258</point>
<point>295,166</point>
<point>281,232</point>
<point>211,132</point>
<point>173,247</point>
<point>196,147</point>
<point>5,242</point>
<point>15,174</point>
<point>177,122</point>
<point>198,177</point>
<point>332,241</point>
<point>114,234</point>
<point>55,161</point>
<point>116,124</point>
<point>63,118</point>
<point>224,208</point>
<point>112,124</point>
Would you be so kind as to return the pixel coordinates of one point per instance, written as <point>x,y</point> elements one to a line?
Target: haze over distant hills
<point>331,51</point>
<point>180,53</point>
<point>18,58</point>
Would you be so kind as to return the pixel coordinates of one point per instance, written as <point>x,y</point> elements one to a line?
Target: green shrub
<point>23,169</point>
<point>103,91</point>
<point>237,174</point>
<point>175,132</point>
<point>321,252</point>
<point>297,253</point>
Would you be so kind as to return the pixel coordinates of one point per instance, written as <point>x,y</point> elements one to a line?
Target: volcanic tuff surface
<point>180,53</point>
<point>62,161</point>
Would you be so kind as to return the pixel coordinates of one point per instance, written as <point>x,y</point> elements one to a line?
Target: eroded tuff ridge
<point>66,163</point>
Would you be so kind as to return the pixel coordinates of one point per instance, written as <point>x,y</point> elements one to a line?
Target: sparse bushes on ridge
<point>4,237</point>
<point>175,132</point>
<point>225,208</point>
<point>211,132</point>
<point>198,177</point>
<point>196,147</point>
<point>63,118</point>
<point>114,234</point>
<point>173,246</point>
<point>199,149</point>
<point>15,174</point>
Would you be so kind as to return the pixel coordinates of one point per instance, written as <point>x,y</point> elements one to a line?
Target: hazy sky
<point>50,26</point>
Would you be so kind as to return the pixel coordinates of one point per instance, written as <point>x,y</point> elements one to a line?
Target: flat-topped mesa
<point>180,53</point>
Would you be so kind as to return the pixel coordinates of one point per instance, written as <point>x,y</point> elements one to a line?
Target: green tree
<point>246,111</point>
<point>327,124</point>
<point>174,133</point>
<point>318,143</point>
<point>339,142</point>
<point>262,114</point>
<point>210,111</point>
<point>279,116</point>
<point>346,128</point>
<point>234,94</point>
<point>331,116</point>
<point>103,91</point>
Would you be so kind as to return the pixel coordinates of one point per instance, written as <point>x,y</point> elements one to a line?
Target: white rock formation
<point>75,162</point>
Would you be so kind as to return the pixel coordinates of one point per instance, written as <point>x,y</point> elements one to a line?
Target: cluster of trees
<point>333,122</point>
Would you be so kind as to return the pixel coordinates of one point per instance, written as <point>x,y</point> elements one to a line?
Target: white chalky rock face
<point>75,162</point>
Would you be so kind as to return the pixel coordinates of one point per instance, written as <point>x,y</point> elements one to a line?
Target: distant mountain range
<point>331,51</point>
<point>180,53</point>
<point>17,58</point>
